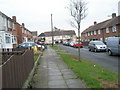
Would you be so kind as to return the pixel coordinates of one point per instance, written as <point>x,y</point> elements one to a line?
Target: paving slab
<point>54,73</point>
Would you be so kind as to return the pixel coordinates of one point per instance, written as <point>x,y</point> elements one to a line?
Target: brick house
<point>35,36</point>
<point>8,32</point>
<point>103,30</point>
<point>59,35</point>
<point>12,33</point>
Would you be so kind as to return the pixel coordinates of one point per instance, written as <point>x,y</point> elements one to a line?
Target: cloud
<point>36,13</point>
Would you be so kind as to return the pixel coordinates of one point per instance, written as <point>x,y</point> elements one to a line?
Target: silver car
<point>97,46</point>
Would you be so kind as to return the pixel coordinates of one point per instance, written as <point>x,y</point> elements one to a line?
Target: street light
<point>52,30</point>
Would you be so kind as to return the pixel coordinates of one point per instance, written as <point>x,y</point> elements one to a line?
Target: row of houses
<point>12,33</point>
<point>103,30</point>
<point>58,35</point>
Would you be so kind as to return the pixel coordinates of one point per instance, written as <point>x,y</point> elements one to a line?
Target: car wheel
<point>95,50</point>
<point>109,53</point>
<point>89,49</point>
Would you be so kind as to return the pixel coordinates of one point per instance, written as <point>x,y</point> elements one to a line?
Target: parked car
<point>113,45</point>
<point>77,45</point>
<point>65,42</point>
<point>97,46</point>
<point>72,44</point>
<point>40,43</point>
<point>29,44</point>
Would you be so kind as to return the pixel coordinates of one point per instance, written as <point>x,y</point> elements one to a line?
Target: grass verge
<point>94,75</point>
<point>55,47</point>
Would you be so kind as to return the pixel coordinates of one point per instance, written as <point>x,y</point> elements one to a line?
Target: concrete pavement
<point>54,73</point>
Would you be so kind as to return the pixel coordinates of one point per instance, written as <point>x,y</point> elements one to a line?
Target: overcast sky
<point>36,13</point>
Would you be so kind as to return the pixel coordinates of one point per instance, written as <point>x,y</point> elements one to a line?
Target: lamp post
<point>52,30</point>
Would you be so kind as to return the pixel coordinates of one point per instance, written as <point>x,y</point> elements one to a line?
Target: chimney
<point>14,18</point>
<point>113,15</point>
<point>95,22</point>
<point>23,24</point>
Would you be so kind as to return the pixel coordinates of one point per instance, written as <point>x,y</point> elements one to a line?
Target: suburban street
<point>101,58</point>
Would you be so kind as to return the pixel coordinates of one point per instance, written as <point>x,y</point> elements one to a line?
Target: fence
<point>16,69</point>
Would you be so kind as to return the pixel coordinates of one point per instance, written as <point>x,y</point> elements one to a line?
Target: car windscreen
<point>99,43</point>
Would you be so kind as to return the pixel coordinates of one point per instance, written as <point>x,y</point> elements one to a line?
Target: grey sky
<point>36,13</point>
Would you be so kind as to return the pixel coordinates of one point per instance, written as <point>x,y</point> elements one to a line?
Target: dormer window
<point>107,30</point>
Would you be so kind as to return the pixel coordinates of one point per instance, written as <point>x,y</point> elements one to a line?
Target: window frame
<point>114,28</point>
<point>107,30</point>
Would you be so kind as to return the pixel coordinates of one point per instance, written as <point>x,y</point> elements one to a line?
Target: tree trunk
<point>79,41</point>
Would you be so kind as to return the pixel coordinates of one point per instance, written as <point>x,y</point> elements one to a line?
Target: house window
<point>14,39</point>
<point>9,24</point>
<point>4,22</point>
<point>91,33</point>
<point>114,29</point>
<point>107,30</point>
<point>13,26</point>
<point>94,32</point>
<point>8,39</point>
<point>105,39</point>
<point>101,39</point>
<point>88,34</point>
<point>98,31</point>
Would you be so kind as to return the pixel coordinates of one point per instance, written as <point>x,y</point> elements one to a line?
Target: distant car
<point>77,45</point>
<point>29,44</point>
<point>113,45</point>
<point>40,43</point>
<point>72,44</point>
<point>65,42</point>
<point>97,46</point>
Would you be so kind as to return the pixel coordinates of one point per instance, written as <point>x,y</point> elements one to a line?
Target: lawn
<point>56,47</point>
<point>94,75</point>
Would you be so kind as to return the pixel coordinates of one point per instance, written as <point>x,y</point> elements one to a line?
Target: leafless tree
<point>78,12</point>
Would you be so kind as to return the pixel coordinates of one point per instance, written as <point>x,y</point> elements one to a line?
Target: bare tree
<point>78,12</point>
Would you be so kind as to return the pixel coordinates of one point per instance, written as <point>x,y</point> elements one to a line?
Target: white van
<point>113,45</point>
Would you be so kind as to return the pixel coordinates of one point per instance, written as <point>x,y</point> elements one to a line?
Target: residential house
<point>41,37</point>
<point>26,34</point>
<point>12,33</point>
<point>7,38</point>
<point>103,30</point>
<point>35,36</point>
<point>59,35</point>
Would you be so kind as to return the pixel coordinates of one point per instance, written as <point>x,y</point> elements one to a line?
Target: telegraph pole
<point>52,30</point>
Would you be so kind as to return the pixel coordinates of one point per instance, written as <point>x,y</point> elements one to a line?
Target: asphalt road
<point>101,58</point>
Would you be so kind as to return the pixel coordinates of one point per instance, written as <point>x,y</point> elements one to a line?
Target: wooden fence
<point>16,66</point>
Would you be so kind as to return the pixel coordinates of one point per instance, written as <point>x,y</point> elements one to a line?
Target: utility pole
<point>52,30</point>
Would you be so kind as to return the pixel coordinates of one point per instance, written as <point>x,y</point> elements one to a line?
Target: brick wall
<point>102,34</point>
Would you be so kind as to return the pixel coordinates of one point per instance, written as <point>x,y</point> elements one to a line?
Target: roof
<point>34,33</point>
<point>108,23</point>
<point>60,32</point>
<point>41,35</point>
